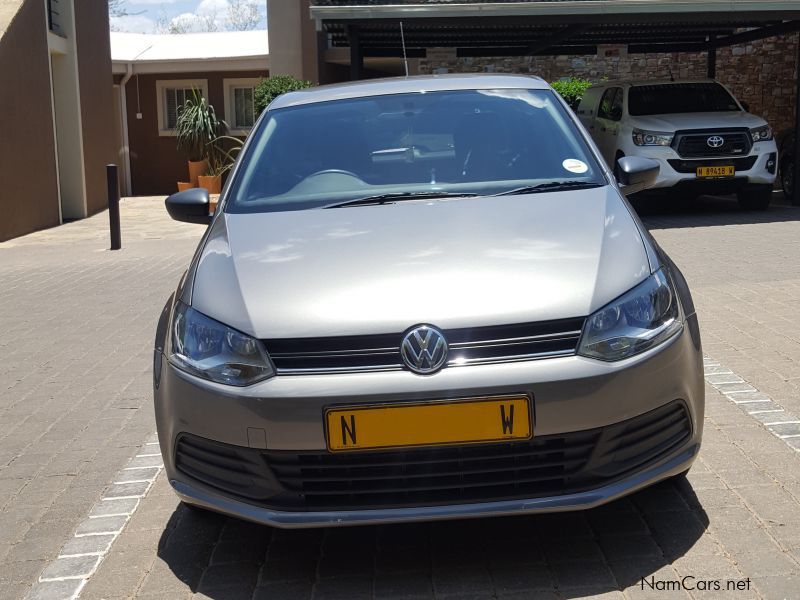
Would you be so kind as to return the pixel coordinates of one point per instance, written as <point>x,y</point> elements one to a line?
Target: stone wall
<point>761,73</point>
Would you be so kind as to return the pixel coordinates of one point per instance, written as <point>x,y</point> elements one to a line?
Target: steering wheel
<point>334,172</point>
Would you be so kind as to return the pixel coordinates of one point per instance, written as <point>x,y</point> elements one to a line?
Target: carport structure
<point>481,28</point>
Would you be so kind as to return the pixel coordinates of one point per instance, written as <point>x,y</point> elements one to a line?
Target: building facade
<point>153,74</point>
<point>54,67</point>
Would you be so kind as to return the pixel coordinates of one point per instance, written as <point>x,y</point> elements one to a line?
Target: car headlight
<point>761,134</point>
<point>651,138</point>
<point>209,349</point>
<point>636,321</point>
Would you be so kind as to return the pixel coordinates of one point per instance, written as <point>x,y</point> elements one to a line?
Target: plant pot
<point>213,183</point>
<point>184,185</point>
<point>196,169</point>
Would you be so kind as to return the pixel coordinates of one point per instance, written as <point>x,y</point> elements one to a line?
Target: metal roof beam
<point>423,10</point>
<point>666,48</point>
<point>755,34</point>
<point>525,51</point>
<point>562,36</point>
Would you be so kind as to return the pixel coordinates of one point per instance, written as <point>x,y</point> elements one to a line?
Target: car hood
<point>700,120</point>
<point>451,263</point>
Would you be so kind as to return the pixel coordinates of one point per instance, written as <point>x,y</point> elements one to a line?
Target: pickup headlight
<point>761,134</point>
<point>651,138</point>
<point>209,349</point>
<point>636,321</point>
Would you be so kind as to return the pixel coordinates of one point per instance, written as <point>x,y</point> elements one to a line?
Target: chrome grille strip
<point>552,337</point>
<point>469,347</point>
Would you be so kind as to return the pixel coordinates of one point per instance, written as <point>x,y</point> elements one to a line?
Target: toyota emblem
<point>424,349</point>
<point>715,141</point>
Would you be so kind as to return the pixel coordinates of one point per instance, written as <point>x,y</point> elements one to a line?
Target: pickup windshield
<point>450,144</point>
<point>674,98</point>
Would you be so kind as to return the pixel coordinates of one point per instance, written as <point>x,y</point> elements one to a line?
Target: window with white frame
<point>172,94</point>
<point>240,108</point>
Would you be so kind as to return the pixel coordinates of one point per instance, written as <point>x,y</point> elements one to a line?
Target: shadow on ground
<point>666,212</point>
<point>601,550</point>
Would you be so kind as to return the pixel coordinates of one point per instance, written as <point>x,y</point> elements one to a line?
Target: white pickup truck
<point>702,136</point>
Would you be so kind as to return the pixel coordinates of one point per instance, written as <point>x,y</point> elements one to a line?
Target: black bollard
<point>113,207</point>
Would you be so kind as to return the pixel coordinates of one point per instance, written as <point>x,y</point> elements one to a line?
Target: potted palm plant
<point>222,154</point>
<point>196,128</point>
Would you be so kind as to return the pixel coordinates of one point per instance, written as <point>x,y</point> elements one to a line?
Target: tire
<point>755,198</point>
<point>787,180</point>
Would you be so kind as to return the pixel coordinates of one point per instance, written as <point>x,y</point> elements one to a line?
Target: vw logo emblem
<point>715,141</point>
<point>424,349</point>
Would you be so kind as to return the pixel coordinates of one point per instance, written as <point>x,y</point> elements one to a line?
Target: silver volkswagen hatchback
<point>424,298</point>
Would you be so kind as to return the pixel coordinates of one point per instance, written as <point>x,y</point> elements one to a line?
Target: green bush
<point>270,88</point>
<point>572,90</point>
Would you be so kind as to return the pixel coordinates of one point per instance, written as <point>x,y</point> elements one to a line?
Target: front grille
<point>694,144</point>
<point>544,466</point>
<point>469,346</point>
<point>690,166</point>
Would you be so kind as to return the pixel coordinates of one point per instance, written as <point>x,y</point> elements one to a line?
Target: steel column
<point>796,166</point>
<point>711,59</point>
<point>356,54</point>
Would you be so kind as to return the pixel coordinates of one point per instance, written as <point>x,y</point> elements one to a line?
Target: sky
<point>144,15</point>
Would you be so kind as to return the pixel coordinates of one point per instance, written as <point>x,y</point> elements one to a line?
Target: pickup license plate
<point>466,421</point>
<point>726,171</point>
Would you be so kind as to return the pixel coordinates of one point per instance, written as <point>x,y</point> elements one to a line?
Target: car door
<point>609,115</point>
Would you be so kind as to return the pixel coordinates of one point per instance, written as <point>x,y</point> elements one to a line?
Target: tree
<point>270,88</point>
<point>117,8</point>
<point>243,15</point>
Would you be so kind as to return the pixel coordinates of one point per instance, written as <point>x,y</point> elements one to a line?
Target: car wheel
<point>787,180</point>
<point>757,198</point>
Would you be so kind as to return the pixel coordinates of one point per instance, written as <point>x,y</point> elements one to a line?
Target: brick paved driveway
<point>76,323</point>
<point>737,518</point>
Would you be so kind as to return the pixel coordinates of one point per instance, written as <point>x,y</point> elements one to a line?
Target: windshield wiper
<point>395,196</point>
<point>551,186</point>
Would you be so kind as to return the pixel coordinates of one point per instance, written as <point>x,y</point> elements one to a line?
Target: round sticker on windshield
<point>573,165</point>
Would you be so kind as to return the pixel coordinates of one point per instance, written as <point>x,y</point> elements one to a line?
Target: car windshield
<point>415,145</point>
<point>679,98</point>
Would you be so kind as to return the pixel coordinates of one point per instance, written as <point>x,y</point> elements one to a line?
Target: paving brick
<point>101,525</point>
<point>583,574</point>
<point>778,587</point>
<point>403,585</point>
<point>72,566</point>
<point>294,590</point>
<point>462,581</point>
<point>355,588</point>
<point>87,544</point>
<point>53,590</point>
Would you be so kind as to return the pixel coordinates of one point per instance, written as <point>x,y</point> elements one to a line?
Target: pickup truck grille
<point>695,144</point>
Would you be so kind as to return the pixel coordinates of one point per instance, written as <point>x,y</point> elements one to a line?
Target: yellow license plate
<point>473,420</point>
<point>727,171</point>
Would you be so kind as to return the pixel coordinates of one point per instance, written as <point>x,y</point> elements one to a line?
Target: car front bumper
<point>570,394</point>
<point>758,174</point>
<point>198,496</point>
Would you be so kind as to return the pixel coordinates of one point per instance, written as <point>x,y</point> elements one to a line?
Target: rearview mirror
<point>190,206</point>
<point>745,106</point>
<point>636,173</point>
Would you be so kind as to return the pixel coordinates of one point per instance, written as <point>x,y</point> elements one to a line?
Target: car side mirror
<point>190,206</point>
<point>745,105</point>
<point>636,173</point>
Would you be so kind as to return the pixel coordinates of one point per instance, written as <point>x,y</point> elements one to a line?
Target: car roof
<point>403,85</point>
<point>637,83</point>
